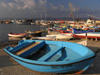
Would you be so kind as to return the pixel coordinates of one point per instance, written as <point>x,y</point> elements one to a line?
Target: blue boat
<point>78,31</point>
<point>52,56</point>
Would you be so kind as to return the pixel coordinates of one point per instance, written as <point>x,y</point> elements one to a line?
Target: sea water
<point>15,28</point>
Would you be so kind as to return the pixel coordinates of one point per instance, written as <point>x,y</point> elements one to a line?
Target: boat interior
<point>41,51</point>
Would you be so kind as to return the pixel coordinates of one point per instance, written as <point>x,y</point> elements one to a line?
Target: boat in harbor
<point>34,33</point>
<point>43,23</point>
<point>61,36</point>
<point>63,32</point>
<point>46,38</point>
<point>17,34</point>
<point>93,35</point>
<point>14,39</point>
<point>88,34</point>
<point>25,21</point>
<point>52,56</point>
<point>78,31</point>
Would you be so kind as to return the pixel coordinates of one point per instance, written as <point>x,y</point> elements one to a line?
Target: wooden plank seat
<point>27,48</point>
<point>31,49</point>
<point>21,46</point>
<point>50,54</point>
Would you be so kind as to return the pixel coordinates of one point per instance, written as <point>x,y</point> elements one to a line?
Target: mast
<point>45,14</point>
<point>71,11</point>
<point>41,16</point>
<point>78,14</point>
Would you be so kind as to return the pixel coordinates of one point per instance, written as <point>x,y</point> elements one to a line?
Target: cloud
<point>74,7</point>
<point>19,4</point>
<point>22,7</point>
<point>54,7</point>
<point>62,7</point>
<point>33,8</point>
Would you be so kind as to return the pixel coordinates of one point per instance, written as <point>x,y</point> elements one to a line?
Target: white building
<point>90,21</point>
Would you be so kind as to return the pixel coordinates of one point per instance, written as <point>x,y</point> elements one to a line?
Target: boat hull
<point>77,67</point>
<point>88,35</point>
<point>23,23</point>
<point>17,35</point>
<point>34,33</point>
<point>54,56</point>
<point>61,36</point>
<point>46,38</point>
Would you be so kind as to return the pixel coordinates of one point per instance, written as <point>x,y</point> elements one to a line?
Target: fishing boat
<point>17,34</point>
<point>88,34</point>
<point>78,31</point>
<point>52,56</point>
<point>46,38</point>
<point>14,39</point>
<point>43,23</point>
<point>34,33</point>
<point>61,36</point>
<point>93,35</point>
<point>25,21</point>
<point>65,32</point>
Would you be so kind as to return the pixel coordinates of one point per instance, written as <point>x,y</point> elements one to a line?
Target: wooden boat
<point>17,34</point>
<point>46,38</point>
<point>61,36</point>
<point>44,24</point>
<point>14,39</point>
<point>23,21</point>
<point>38,33</point>
<point>93,35</point>
<point>89,34</point>
<point>65,32</point>
<point>52,56</point>
<point>32,23</point>
<point>78,31</point>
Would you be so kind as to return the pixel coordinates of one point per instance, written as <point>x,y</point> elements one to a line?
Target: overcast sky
<point>50,8</point>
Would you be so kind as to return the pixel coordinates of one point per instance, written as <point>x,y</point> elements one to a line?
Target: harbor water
<point>14,28</point>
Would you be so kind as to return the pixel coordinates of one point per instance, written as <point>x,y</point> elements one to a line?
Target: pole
<point>71,11</point>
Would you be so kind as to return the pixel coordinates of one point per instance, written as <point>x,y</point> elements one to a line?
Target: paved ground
<point>9,67</point>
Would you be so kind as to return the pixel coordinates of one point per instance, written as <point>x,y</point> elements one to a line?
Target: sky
<point>48,8</point>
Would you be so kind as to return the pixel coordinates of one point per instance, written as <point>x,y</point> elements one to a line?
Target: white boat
<point>88,35</point>
<point>60,36</point>
<point>17,34</point>
<point>43,23</point>
<point>33,23</point>
<point>21,22</point>
<point>47,38</point>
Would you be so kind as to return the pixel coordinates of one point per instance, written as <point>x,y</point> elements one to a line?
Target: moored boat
<point>17,34</point>
<point>46,38</point>
<point>78,31</point>
<point>65,32</point>
<point>61,36</point>
<point>52,56</point>
<point>93,35</point>
<point>84,34</point>
<point>34,33</point>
